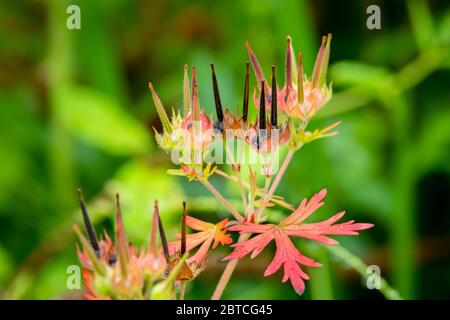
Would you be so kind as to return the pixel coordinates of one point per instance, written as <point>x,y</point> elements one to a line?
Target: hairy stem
<point>279,201</point>
<point>229,269</point>
<point>268,195</point>
<point>242,190</point>
<point>258,213</point>
<point>404,214</point>
<point>224,201</point>
<point>238,177</point>
<point>182,290</point>
<point>227,273</point>
<point>280,174</point>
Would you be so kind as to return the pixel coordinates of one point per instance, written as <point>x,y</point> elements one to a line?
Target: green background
<point>76,112</point>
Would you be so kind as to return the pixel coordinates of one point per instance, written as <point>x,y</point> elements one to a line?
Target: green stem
<point>320,284</point>
<point>421,22</point>
<point>242,190</point>
<point>238,177</point>
<point>227,273</point>
<point>269,194</point>
<point>279,175</point>
<point>358,265</point>
<point>403,212</point>
<point>59,64</point>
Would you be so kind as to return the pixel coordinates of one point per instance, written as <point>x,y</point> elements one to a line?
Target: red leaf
<point>209,236</point>
<point>287,254</point>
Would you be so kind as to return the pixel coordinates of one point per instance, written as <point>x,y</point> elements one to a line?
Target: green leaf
<point>99,121</point>
<point>6,266</point>
<point>421,22</point>
<point>443,32</point>
<point>432,146</point>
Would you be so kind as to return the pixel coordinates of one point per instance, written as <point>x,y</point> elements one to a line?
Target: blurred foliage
<point>75,111</point>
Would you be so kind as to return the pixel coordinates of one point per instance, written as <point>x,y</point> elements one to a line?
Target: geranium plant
<point>201,147</point>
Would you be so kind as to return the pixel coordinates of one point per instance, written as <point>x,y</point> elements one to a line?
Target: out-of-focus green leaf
<point>51,282</point>
<point>20,288</point>
<point>433,148</point>
<point>348,73</point>
<point>394,48</point>
<point>5,264</point>
<point>99,121</point>
<point>139,185</point>
<point>358,163</point>
<point>443,33</point>
<point>421,22</point>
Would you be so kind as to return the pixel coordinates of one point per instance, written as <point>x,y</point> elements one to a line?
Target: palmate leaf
<point>287,254</point>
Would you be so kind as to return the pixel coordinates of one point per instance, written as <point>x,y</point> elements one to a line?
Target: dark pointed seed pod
<point>162,236</point>
<point>87,222</point>
<point>217,101</point>
<point>246,93</point>
<point>185,273</point>
<point>183,231</point>
<point>273,109</point>
<point>262,107</point>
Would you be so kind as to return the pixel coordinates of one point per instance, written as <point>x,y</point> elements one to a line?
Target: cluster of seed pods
<point>299,99</point>
<point>127,271</point>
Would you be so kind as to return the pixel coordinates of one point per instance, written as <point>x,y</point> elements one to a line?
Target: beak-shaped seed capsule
<point>217,101</point>
<point>273,108</point>
<point>185,272</point>
<point>288,80</point>
<point>258,71</point>
<point>154,230</point>
<point>321,64</point>
<point>246,93</point>
<point>98,267</point>
<point>87,222</point>
<point>162,236</point>
<point>183,231</point>
<point>195,101</point>
<point>121,239</point>
<point>160,109</point>
<point>300,79</point>
<point>325,61</point>
<point>186,92</point>
<point>262,107</point>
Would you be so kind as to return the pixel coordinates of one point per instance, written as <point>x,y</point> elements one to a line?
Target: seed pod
<point>218,103</point>
<point>246,93</point>
<point>87,222</point>
<point>273,108</point>
<point>262,107</point>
